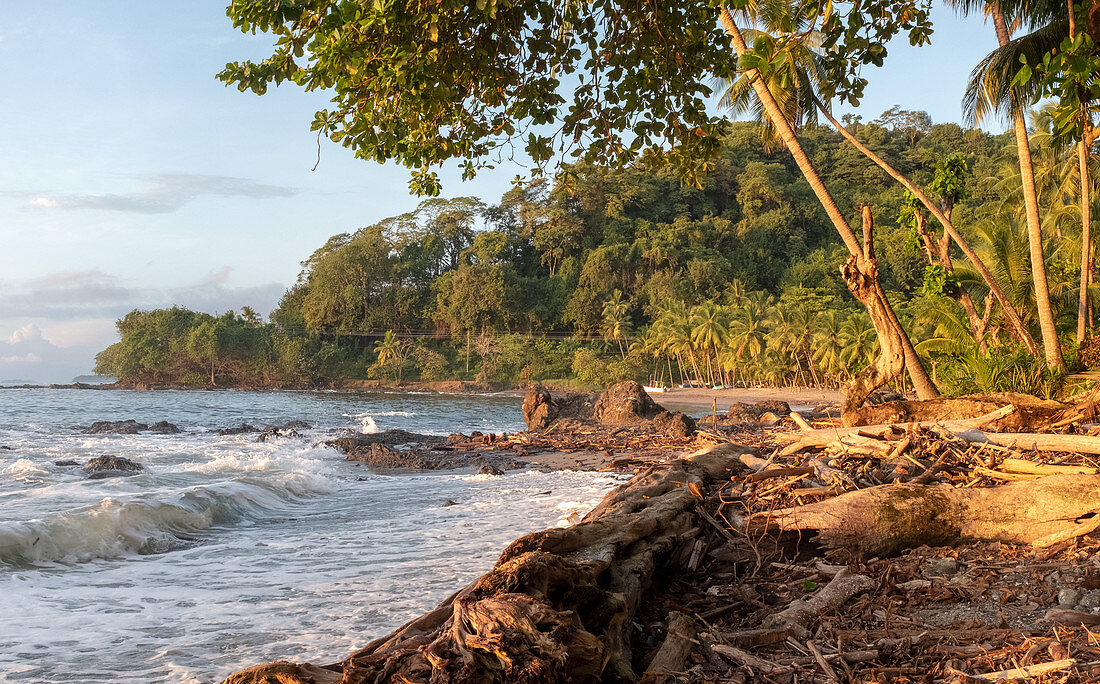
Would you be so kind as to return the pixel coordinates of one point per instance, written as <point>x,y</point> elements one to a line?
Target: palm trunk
<point>1052,351</point>
<point>925,388</point>
<point>998,292</point>
<point>1086,242</point>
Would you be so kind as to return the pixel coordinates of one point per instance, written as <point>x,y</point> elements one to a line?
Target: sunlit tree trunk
<point>1010,313</point>
<point>1052,351</point>
<point>923,385</point>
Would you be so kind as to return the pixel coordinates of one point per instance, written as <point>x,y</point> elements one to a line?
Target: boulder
<point>489,469</point>
<point>674,424</point>
<point>740,412</point>
<point>239,430</point>
<point>539,409</point>
<point>129,427</point>
<point>111,466</point>
<point>115,427</point>
<point>625,403</point>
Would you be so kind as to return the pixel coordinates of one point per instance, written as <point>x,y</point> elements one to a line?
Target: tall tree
<point>1012,99</point>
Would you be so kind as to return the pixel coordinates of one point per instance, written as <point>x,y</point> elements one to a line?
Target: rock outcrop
<point>111,466</point>
<point>625,403</point>
<point>129,427</point>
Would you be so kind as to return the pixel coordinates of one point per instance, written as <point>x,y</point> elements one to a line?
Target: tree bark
<point>861,276</point>
<point>1086,242</point>
<point>1052,350</point>
<point>925,388</point>
<point>1010,313</point>
<point>881,520</point>
<point>558,606</point>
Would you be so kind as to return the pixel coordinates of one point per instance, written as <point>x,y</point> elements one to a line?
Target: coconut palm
<point>765,86</point>
<point>860,343</point>
<point>828,344</point>
<point>616,322</point>
<point>987,91</point>
<point>709,330</point>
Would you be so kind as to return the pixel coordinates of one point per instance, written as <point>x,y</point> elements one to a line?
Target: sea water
<point>224,552</point>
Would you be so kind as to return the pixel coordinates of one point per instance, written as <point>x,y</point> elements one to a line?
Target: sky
<point>131,178</point>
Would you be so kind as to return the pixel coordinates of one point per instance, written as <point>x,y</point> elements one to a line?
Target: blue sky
<point>131,178</point>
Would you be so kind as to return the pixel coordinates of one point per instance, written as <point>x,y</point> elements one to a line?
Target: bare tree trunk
<point>1052,350</point>
<point>861,276</point>
<point>921,382</point>
<point>998,292</point>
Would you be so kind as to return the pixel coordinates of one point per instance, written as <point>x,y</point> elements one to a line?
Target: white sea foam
<point>224,552</point>
<point>24,468</point>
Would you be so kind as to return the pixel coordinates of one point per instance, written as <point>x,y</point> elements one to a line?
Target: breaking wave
<point>113,528</point>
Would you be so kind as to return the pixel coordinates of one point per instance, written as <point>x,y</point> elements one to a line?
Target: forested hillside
<point>603,275</point>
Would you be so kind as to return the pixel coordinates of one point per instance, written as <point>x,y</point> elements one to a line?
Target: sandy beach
<point>692,401</point>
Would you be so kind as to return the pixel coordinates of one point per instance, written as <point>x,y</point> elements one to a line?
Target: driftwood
<point>673,653</point>
<point>558,603</point>
<point>883,519</point>
<point>1030,413</point>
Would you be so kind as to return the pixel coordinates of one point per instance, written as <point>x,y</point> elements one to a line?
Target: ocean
<point>224,552</point>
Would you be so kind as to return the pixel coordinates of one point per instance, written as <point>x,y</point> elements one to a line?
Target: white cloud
<point>28,333</point>
<point>94,332</point>
<point>28,359</point>
<point>164,193</point>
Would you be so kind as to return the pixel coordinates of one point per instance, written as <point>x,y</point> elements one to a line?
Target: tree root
<point>557,604</point>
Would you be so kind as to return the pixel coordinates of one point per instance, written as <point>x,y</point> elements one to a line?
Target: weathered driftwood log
<point>558,603</point>
<point>880,520</point>
<point>1030,414</point>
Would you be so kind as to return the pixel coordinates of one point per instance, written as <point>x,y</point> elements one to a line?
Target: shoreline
<point>695,398</point>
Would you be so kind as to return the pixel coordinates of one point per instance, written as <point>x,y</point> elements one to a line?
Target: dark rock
<point>296,425</point>
<point>489,469</point>
<point>476,433</point>
<point>539,409</point>
<point>448,502</point>
<point>387,438</point>
<point>276,431</point>
<point>66,462</point>
<point>163,427</point>
<point>740,412</point>
<point>115,427</point>
<point>625,403</point>
<point>111,466</point>
<point>239,430</point>
<point>674,424</point>
<point>4,447</point>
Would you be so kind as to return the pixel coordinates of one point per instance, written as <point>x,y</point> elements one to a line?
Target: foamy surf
<point>225,551</point>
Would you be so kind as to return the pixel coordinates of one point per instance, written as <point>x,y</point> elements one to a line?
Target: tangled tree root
<point>556,606</point>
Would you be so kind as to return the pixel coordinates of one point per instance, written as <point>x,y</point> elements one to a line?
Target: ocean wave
<point>23,468</point>
<point>113,528</point>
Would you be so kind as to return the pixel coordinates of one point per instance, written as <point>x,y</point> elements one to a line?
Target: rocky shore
<point>800,551</point>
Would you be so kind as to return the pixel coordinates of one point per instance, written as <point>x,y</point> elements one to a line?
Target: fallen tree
<point>557,604</point>
<point>884,519</point>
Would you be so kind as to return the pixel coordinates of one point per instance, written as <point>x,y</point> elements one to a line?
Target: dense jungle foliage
<point>611,274</point>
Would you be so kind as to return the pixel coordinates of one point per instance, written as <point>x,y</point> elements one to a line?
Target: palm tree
<point>389,351</point>
<point>861,261</point>
<point>616,324</point>
<point>860,343</point>
<point>828,344</point>
<point>989,90</point>
<point>709,329</point>
<point>748,331</point>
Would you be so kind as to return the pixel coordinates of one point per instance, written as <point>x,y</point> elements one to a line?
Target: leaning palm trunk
<point>921,382</point>
<point>1052,351</point>
<point>1010,313</point>
<point>1086,243</point>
